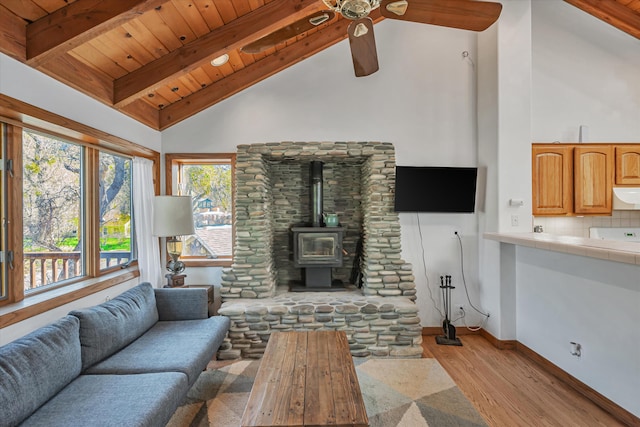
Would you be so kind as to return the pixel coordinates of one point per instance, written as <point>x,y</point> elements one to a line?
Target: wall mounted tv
<point>435,189</point>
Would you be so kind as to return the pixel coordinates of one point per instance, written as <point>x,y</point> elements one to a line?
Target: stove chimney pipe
<point>316,193</point>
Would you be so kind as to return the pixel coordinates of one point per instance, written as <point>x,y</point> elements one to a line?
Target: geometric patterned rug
<point>396,392</point>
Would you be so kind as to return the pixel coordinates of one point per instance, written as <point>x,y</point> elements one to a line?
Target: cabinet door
<point>593,179</point>
<point>628,164</point>
<point>552,180</point>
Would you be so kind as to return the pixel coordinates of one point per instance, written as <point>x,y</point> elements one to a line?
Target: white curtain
<point>148,248</point>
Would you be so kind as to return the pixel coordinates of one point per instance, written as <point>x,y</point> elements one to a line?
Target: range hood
<point>626,198</point>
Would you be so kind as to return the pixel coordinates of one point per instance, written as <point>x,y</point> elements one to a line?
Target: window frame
<point>85,211</point>
<point>134,246</point>
<point>173,161</point>
<point>16,115</point>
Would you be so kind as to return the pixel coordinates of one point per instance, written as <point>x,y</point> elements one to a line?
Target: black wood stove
<point>317,249</point>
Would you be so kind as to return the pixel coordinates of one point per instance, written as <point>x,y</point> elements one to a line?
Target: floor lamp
<point>173,218</point>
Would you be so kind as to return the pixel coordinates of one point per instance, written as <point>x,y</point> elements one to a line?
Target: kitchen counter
<point>625,252</point>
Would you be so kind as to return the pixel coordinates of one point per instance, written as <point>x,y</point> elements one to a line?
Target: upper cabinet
<point>628,164</point>
<point>593,179</point>
<point>552,179</point>
<point>577,179</point>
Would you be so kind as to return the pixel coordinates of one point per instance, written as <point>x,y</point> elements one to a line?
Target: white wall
<point>504,143</point>
<point>563,298</point>
<point>585,72</point>
<point>422,100</point>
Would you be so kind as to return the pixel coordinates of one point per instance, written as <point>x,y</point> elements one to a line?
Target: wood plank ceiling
<point>151,59</point>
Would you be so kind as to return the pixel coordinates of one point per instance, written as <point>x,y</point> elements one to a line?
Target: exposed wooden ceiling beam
<point>143,112</point>
<point>233,35</point>
<point>612,12</point>
<point>77,23</point>
<point>257,72</point>
<point>78,75</point>
<point>12,35</point>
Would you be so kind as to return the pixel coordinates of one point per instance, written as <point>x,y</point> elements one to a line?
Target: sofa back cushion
<point>36,367</point>
<point>108,327</point>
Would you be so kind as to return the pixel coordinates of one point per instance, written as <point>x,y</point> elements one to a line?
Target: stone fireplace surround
<point>272,195</point>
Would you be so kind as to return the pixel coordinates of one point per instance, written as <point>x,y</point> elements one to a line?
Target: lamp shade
<point>172,216</point>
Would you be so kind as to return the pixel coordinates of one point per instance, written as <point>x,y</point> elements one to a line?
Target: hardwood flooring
<point>508,389</point>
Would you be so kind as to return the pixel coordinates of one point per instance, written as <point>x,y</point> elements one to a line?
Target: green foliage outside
<point>209,181</point>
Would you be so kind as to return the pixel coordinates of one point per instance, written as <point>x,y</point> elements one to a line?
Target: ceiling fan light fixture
<point>220,60</point>
<point>353,9</point>
<point>398,7</point>
<point>360,30</point>
<point>320,19</point>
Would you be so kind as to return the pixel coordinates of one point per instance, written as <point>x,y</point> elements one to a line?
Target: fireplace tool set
<point>449,330</point>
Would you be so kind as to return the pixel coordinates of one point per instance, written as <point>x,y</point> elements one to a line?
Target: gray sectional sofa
<point>127,362</point>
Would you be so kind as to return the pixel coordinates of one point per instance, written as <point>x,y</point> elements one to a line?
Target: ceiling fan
<point>462,14</point>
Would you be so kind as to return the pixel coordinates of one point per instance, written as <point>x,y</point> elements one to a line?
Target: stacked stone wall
<point>272,188</point>
<point>375,326</point>
<point>272,195</point>
<point>292,206</point>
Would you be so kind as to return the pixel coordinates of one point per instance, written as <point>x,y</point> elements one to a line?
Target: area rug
<point>396,392</point>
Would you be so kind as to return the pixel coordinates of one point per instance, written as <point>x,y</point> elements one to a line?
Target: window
<point>66,206</point>
<point>57,208</point>
<point>52,200</point>
<point>116,221</point>
<point>208,179</point>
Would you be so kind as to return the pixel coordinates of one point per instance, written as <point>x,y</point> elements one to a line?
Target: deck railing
<point>43,268</point>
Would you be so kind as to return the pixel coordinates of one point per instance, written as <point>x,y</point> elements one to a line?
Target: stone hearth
<point>273,195</point>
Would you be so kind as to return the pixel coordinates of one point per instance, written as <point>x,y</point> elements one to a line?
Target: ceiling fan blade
<point>462,14</point>
<point>285,33</point>
<point>363,47</point>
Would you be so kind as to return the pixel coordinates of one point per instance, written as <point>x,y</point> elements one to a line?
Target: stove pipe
<point>316,193</point>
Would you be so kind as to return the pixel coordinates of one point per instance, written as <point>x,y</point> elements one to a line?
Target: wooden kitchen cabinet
<point>593,179</point>
<point>627,164</point>
<point>552,166</point>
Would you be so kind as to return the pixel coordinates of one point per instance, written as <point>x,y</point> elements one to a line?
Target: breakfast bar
<point>558,290</point>
<point>625,252</point>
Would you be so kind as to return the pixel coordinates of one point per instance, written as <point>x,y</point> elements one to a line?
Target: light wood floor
<point>510,390</point>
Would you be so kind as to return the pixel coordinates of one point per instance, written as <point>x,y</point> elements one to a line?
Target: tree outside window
<point>56,210</point>
<point>116,221</point>
<point>52,210</point>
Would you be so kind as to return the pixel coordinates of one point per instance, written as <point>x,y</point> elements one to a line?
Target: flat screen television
<point>435,189</point>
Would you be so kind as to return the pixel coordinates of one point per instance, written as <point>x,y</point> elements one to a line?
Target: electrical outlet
<point>455,234</point>
<point>461,310</point>
<point>515,221</point>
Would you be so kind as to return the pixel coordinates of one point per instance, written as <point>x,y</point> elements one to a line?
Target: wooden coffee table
<point>306,379</point>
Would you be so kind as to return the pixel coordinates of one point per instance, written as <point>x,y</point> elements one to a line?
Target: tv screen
<point>435,189</point>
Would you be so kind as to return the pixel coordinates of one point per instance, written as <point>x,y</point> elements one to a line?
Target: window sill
<point>208,262</point>
<point>45,301</point>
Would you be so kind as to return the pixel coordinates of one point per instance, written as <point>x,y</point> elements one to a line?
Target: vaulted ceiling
<point>151,59</point>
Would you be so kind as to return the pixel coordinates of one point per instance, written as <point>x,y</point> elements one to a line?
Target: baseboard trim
<point>598,399</point>
<point>500,344</point>
<point>435,330</point>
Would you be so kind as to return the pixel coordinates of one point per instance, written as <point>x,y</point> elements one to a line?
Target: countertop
<point>626,252</point>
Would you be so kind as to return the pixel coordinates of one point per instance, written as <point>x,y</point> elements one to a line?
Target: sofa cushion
<point>182,346</point>
<point>37,366</point>
<point>182,303</point>
<point>106,328</point>
<point>114,401</point>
